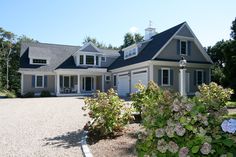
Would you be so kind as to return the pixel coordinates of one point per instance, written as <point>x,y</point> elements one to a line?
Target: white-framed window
<point>199,77</point>
<point>103,59</point>
<point>183,47</point>
<point>108,78</point>
<point>38,61</point>
<point>89,60</point>
<point>130,53</point>
<point>81,59</point>
<point>39,81</point>
<point>114,80</point>
<point>165,76</point>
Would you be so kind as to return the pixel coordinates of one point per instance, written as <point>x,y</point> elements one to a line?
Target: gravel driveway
<point>41,127</point>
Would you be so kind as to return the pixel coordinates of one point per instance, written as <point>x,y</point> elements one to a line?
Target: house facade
<point>74,70</point>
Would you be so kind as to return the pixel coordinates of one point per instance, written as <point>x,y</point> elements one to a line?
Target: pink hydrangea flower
<point>170,131</point>
<point>160,133</point>
<point>180,130</point>
<point>173,147</point>
<point>206,148</point>
<point>183,152</point>
<point>162,146</point>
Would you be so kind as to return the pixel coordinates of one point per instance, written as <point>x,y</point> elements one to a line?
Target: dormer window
<point>89,60</point>
<point>38,61</point>
<point>130,53</point>
<point>183,47</point>
<point>103,59</point>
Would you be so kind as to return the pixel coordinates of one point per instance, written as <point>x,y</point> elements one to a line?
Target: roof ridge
<point>52,44</point>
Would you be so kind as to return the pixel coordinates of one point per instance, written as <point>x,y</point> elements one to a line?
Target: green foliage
<point>108,112</point>
<point>233,28</point>
<point>8,94</point>
<point>45,93</point>
<point>97,43</point>
<point>177,126</point>
<point>29,95</point>
<point>130,39</point>
<point>231,104</point>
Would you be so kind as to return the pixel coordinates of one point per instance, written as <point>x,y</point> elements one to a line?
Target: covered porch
<point>79,83</point>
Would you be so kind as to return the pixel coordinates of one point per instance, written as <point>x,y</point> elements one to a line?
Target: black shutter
<point>33,81</point>
<point>195,77</point>
<point>178,47</point>
<point>189,48</point>
<point>159,77</point>
<point>171,77</point>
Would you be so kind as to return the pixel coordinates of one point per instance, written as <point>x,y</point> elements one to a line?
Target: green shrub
<point>8,94</point>
<point>45,94</point>
<point>108,112</point>
<point>29,95</point>
<point>177,126</point>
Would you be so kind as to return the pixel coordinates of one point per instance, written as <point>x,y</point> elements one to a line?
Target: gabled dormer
<point>38,56</point>
<point>90,55</point>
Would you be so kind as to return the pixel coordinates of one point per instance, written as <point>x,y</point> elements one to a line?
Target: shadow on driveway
<point>68,140</point>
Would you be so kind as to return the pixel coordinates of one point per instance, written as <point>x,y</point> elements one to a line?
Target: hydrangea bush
<point>177,126</point>
<point>108,112</point>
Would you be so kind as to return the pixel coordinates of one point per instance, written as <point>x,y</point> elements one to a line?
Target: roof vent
<point>150,31</point>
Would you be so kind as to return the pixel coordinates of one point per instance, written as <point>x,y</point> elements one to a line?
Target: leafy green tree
<point>97,43</point>
<point>233,28</point>
<point>130,39</point>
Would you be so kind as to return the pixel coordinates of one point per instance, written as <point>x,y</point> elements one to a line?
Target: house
<point>74,70</point>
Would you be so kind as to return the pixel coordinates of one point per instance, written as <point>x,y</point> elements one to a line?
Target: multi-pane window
<point>183,47</point>
<point>81,59</point>
<point>165,77</point>
<point>108,78</point>
<point>103,59</point>
<point>130,53</point>
<point>39,61</point>
<point>39,81</point>
<point>90,60</point>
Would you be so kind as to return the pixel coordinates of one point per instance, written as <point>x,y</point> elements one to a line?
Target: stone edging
<point>84,146</point>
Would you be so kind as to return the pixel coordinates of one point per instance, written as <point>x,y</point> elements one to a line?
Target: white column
<point>102,83</point>
<point>78,84</point>
<point>183,82</point>
<point>151,72</point>
<point>58,84</point>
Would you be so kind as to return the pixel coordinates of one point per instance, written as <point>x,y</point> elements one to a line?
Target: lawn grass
<point>231,104</point>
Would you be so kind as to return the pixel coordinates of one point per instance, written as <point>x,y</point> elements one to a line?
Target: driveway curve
<point>41,127</point>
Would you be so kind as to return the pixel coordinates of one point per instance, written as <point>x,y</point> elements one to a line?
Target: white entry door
<point>138,76</point>
<point>123,85</point>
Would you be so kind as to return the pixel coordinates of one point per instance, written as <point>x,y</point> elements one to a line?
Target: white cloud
<point>133,29</point>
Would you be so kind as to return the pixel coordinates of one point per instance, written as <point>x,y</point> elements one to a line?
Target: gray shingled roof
<point>60,56</point>
<point>57,54</point>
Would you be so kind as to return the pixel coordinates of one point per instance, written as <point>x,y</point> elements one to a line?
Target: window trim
<point>85,60</point>
<point>36,79</point>
<point>186,49</point>
<point>105,58</point>
<point>162,77</point>
<point>32,61</point>
<point>199,70</point>
<point>106,78</point>
<point>114,82</point>
<point>129,53</point>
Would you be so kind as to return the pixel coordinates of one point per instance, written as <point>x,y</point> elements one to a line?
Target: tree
<point>233,28</point>
<point>130,39</point>
<point>97,43</point>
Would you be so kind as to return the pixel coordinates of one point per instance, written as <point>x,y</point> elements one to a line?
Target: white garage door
<point>123,85</point>
<point>138,76</point>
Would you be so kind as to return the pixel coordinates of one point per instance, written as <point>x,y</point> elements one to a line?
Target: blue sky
<point>70,21</point>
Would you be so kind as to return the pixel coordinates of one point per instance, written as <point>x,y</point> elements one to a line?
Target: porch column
<point>58,84</point>
<point>102,83</point>
<point>78,84</point>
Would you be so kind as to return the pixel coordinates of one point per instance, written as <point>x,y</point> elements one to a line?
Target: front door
<point>88,83</point>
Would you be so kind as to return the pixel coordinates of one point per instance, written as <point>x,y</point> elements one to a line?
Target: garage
<point>123,87</point>
<point>138,76</point>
